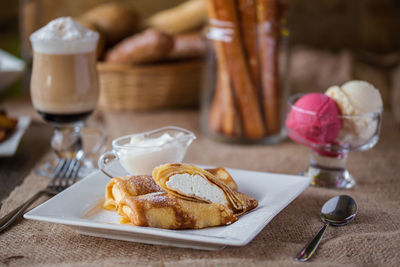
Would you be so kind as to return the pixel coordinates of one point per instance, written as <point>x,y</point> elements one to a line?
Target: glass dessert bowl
<point>331,136</point>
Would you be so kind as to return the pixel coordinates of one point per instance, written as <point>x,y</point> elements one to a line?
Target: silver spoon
<point>339,210</point>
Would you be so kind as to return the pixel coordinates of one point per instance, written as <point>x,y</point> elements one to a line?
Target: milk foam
<point>64,36</point>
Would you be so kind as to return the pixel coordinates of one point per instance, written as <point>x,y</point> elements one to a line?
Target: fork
<point>65,175</point>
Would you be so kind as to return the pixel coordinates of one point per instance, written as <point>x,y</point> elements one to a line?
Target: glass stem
<point>67,140</point>
<point>330,172</point>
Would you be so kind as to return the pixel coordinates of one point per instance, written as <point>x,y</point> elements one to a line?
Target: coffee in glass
<point>64,83</point>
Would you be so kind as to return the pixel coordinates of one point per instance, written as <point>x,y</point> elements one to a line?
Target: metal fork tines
<point>65,175</point>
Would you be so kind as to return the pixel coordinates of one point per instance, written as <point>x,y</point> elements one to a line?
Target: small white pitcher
<point>141,159</point>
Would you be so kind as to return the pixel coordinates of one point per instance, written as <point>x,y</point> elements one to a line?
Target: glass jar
<point>246,78</point>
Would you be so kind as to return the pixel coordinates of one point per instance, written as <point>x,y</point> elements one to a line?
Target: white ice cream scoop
<point>356,99</point>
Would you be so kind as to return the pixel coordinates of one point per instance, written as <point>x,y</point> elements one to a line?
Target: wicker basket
<point>149,87</point>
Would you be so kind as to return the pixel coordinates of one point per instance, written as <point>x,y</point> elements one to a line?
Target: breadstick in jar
<point>248,22</point>
<point>268,16</point>
<point>223,110</point>
<point>223,113</point>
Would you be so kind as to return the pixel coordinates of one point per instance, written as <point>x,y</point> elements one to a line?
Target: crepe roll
<point>192,183</point>
<point>224,176</point>
<point>119,187</point>
<point>162,210</point>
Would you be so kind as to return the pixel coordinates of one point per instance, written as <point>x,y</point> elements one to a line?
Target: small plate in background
<point>9,146</point>
<point>11,68</point>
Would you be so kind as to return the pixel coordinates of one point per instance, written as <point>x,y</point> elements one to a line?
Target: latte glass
<point>65,89</point>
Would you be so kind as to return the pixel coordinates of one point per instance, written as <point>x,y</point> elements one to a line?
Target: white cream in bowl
<point>140,153</point>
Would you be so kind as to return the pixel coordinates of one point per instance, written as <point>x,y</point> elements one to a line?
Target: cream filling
<point>195,185</point>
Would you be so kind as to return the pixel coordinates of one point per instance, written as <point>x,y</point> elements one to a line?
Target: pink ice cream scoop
<point>314,118</point>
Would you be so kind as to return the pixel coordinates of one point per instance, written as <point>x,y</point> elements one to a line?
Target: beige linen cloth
<point>372,239</point>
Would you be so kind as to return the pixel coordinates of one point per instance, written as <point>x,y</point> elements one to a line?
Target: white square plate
<point>9,146</point>
<point>80,207</point>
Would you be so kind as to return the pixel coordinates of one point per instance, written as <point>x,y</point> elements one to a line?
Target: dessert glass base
<point>329,172</point>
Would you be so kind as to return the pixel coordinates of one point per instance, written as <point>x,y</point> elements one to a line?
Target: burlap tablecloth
<point>372,239</point>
